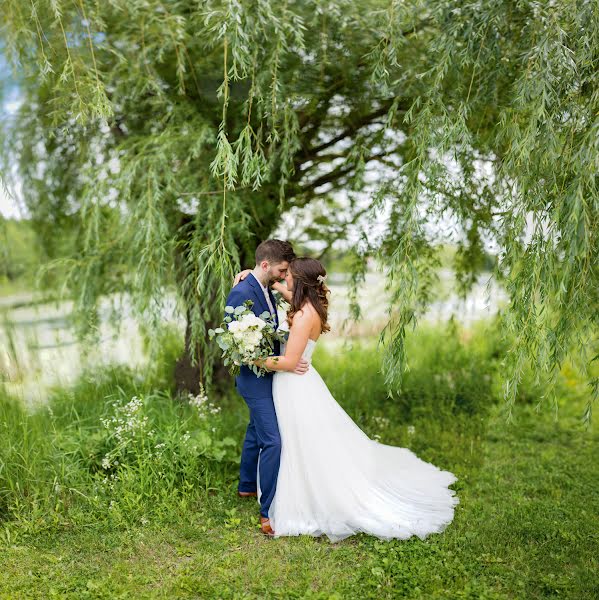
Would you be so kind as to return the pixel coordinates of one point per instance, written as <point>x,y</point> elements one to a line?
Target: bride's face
<point>289,280</point>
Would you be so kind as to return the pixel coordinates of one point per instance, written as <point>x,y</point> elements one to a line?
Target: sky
<point>8,207</point>
<point>10,102</point>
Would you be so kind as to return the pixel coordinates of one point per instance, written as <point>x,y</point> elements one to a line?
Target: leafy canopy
<point>173,135</point>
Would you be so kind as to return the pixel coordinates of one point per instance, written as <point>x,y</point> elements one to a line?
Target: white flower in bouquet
<point>245,337</point>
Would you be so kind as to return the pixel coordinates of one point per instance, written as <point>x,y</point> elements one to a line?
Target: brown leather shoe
<point>266,528</point>
<point>247,494</point>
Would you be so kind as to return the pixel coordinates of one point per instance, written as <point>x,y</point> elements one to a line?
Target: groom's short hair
<point>274,251</point>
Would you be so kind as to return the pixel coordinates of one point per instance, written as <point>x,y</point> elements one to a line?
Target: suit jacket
<point>247,383</point>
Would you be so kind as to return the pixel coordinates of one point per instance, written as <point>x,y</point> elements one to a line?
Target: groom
<point>262,438</point>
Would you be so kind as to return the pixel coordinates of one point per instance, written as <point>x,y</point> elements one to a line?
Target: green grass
<point>171,526</point>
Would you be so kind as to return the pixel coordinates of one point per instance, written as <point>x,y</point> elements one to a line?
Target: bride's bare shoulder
<point>306,313</point>
<point>310,312</point>
<point>308,309</point>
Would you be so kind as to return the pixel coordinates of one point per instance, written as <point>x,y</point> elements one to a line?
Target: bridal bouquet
<point>243,337</point>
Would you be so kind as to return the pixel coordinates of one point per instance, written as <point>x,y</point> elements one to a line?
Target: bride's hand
<point>261,364</point>
<point>241,276</point>
<point>282,289</point>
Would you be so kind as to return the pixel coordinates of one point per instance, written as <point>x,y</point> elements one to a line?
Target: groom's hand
<point>302,367</point>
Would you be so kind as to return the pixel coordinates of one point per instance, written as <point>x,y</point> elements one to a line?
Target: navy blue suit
<point>262,439</point>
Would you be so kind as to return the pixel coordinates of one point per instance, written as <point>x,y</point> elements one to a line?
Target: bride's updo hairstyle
<point>309,286</point>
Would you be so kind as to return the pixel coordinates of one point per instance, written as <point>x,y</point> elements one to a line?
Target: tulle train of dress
<point>335,481</point>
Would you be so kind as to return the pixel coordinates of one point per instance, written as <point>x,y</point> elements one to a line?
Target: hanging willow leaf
<point>172,137</point>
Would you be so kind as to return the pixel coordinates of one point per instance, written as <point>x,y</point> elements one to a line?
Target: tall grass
<point>108,452</point>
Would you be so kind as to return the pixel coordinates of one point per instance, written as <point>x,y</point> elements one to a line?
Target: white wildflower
<point>112,195</point>
<point>200,402</point>
<point>381,422</point>
<point>128,421</point>
<point>114,165</point>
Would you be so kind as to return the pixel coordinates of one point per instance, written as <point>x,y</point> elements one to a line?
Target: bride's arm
<point>296,344</point>
<point>282,289</point>
<point>241,276</point>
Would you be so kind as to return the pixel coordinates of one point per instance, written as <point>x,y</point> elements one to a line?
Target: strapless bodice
<point>310,347</point>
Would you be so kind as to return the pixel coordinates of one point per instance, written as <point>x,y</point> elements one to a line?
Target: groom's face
<point>277,271</point>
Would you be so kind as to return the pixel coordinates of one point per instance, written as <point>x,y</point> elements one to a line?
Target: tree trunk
<point>187,375</point>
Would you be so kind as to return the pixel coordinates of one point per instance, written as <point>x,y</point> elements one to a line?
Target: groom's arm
<point>236,297</point>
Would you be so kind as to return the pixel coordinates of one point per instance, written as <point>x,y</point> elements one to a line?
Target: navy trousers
<point>262,441</point>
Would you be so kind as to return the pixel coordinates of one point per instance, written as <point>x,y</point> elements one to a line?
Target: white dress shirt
<point>266,295</point>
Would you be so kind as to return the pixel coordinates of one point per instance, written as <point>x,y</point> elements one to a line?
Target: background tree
<point>173,135</point>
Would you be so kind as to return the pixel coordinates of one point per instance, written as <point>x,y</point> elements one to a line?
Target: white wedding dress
<point>335,481</point>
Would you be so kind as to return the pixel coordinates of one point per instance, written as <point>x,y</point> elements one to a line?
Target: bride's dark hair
<point>308,286</point>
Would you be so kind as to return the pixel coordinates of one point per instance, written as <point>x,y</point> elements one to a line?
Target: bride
<point>333,479</point>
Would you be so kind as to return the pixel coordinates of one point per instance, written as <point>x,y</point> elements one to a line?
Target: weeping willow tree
<point>172,135</point>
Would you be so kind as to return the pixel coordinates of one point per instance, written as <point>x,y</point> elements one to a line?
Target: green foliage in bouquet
<point>244,337</point>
